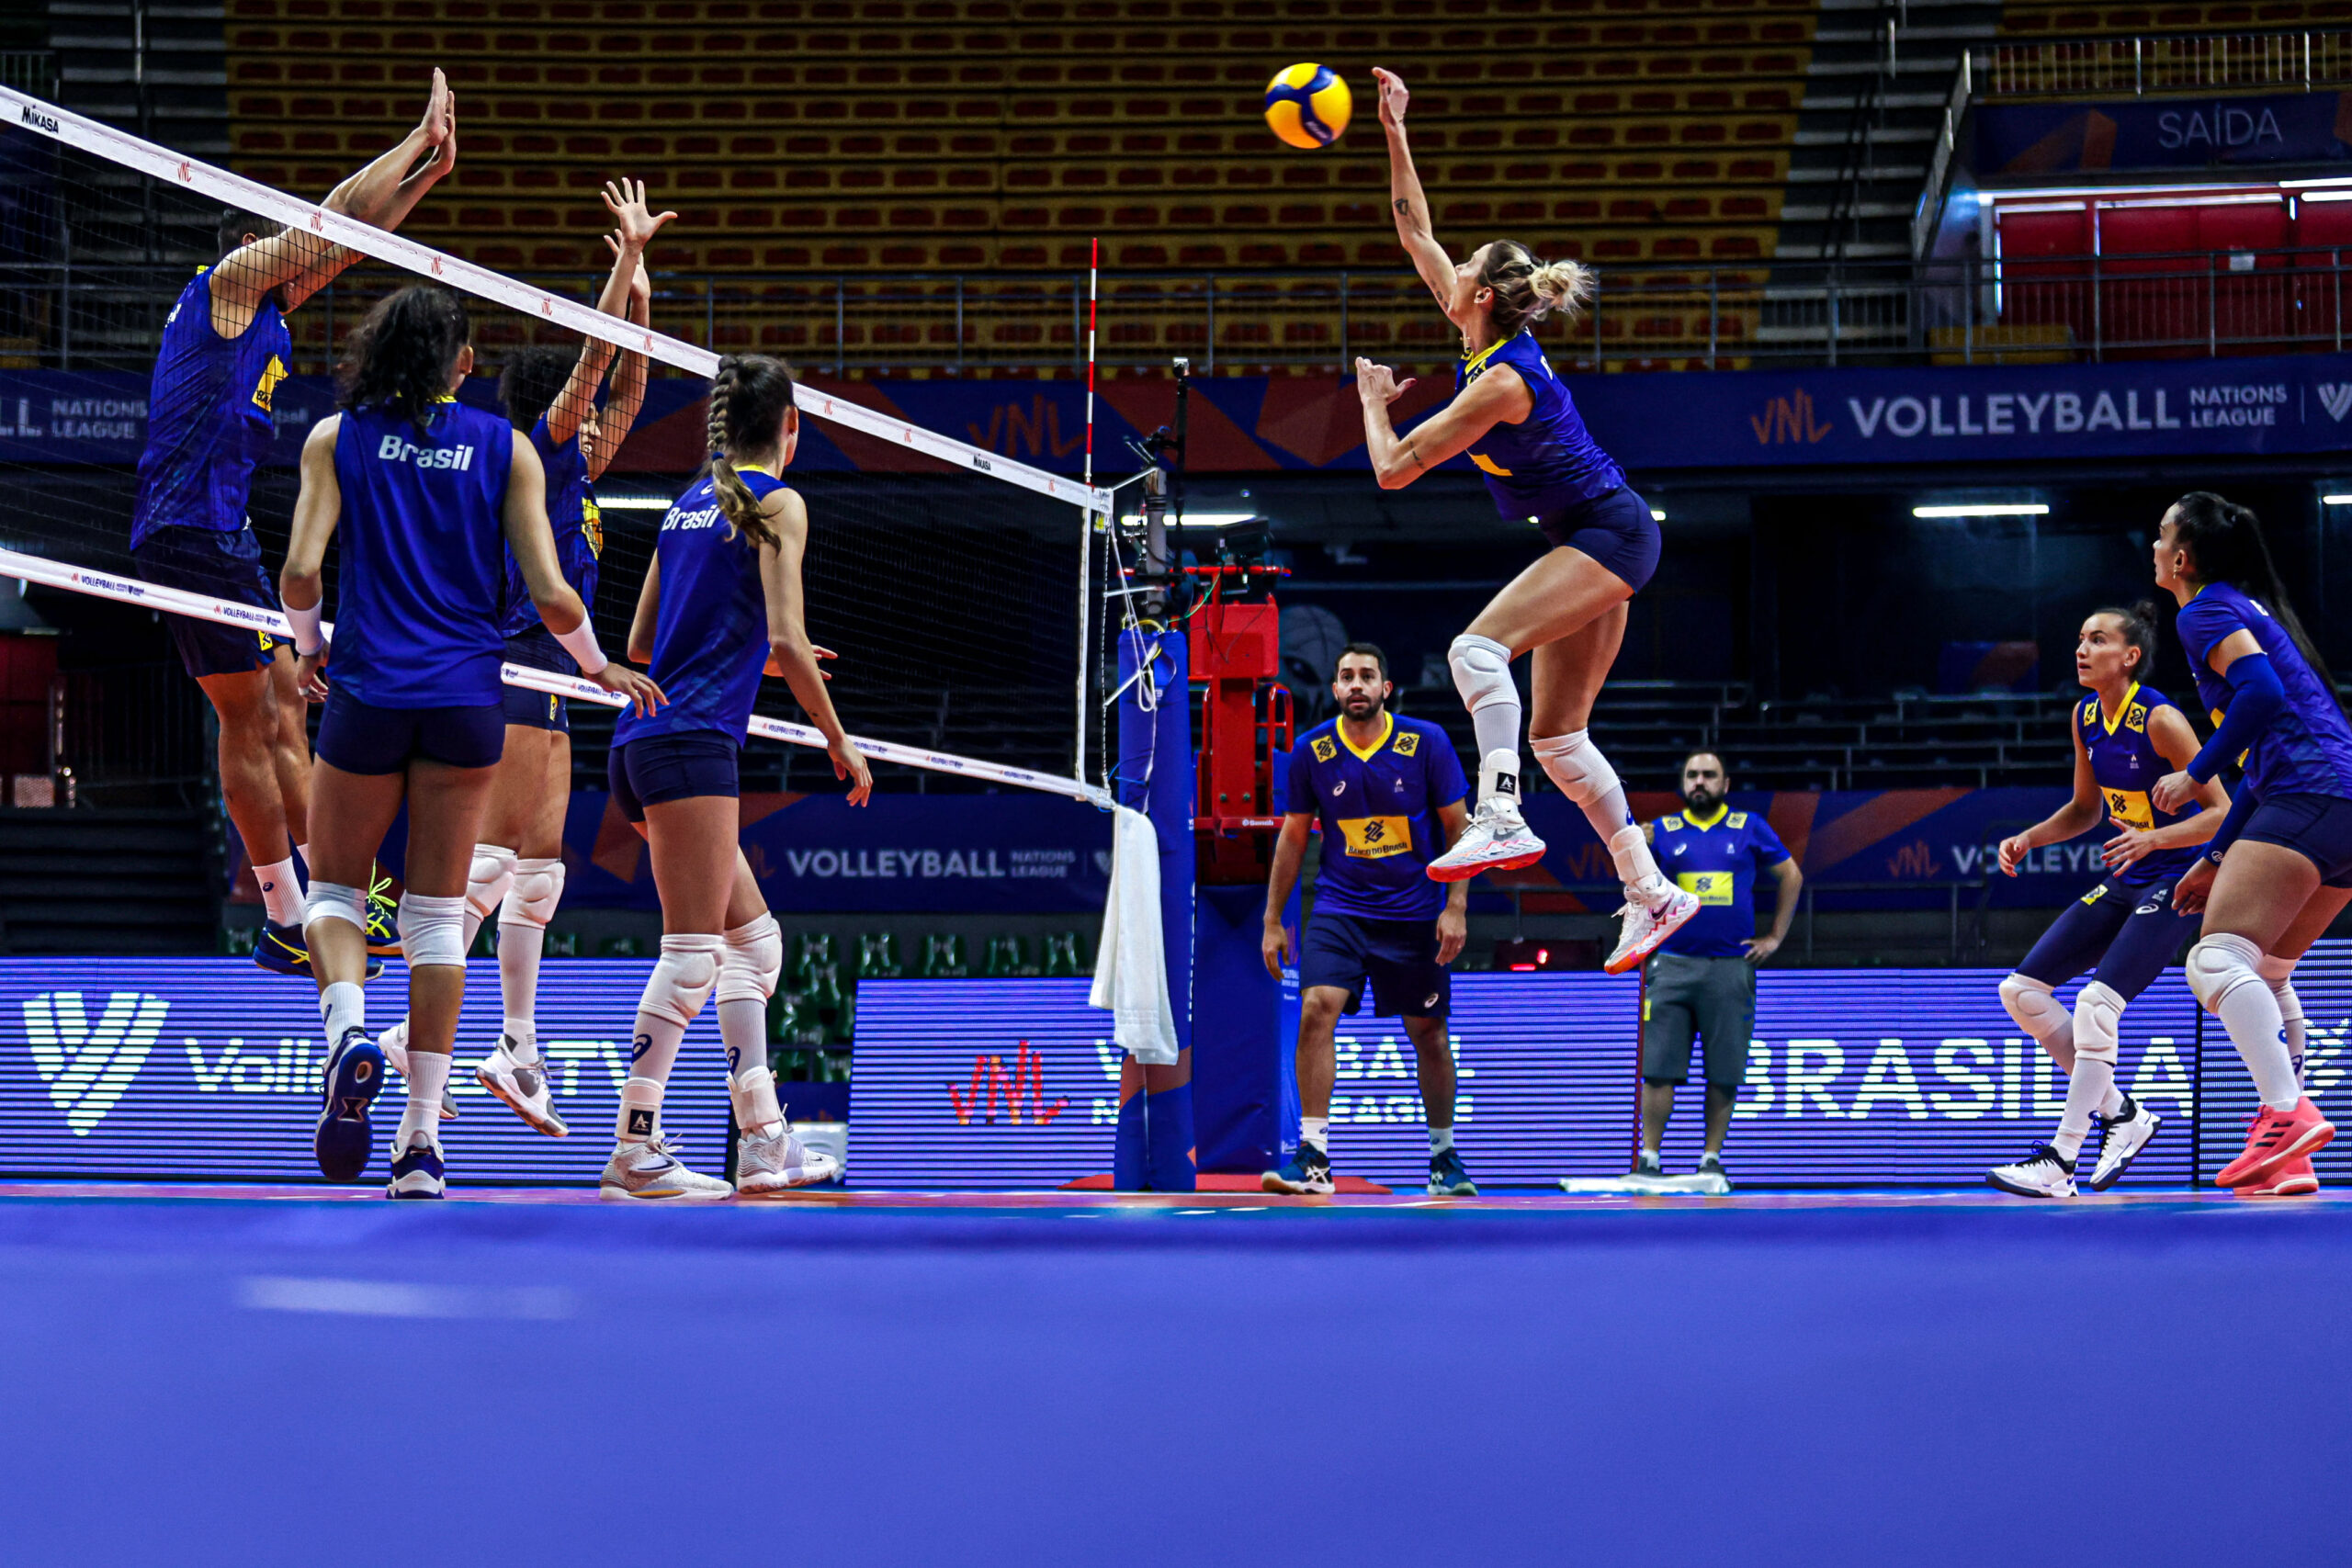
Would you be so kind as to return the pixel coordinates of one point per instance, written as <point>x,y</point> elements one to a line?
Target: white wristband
<point>308,638</point>
<point>580,643</point>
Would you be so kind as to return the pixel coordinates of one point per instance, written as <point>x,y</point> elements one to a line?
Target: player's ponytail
<point>1526,291</point>
<point>402,356</point>
<point>2226,544</point>
<point>2138,628</point>
<point>748,399</point>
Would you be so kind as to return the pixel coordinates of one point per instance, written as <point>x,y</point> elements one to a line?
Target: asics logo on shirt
<point>1338,789</point>
<point>394,450</point>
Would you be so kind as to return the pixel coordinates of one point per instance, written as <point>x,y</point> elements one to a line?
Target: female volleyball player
<point>422,487</point>
<point>517,868</point>
<point>2126,735</point>
<point>721,601</point>
<point>1518,424</point>
<point>2284,854</point>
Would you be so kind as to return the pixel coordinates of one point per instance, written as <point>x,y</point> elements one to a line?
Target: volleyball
<point>1307,106</point>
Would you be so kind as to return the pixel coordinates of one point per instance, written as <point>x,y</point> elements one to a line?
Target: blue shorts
<point>538,710</point>
<point>219,566</point>
<point>655,769</point>
<point>2316,827</point>
<point>1616,530</point>
<point>1399,956</point>
<point>359,738</point>
<point>2128,934</point>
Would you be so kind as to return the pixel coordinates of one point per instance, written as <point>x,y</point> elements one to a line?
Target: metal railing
<point>2167,63</point>
<point>1966,310</point>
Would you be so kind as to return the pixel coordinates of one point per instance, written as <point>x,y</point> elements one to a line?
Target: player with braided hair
<point>722,602</point>
<point>1518,424</point>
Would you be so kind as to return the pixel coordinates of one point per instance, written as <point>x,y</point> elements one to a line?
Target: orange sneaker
<point>2290,1179</point>
<point>2278,1136</point>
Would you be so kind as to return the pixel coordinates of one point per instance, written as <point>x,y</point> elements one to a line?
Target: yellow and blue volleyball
<point>1307,106</point>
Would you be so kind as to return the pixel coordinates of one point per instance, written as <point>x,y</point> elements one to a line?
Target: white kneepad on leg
<point>489,878</point>
<point>2030,1003</point>
<point>681,980</point>
<point>2098,1018</point>
<point>1574,765</point>
<point>432,931</point>
<point>539,888</point>
<point>753,961</point>
<point>333,901</point>
<point>2220,964</point>
<point>1481,669</point>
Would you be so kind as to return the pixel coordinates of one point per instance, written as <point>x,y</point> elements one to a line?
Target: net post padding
<point>37,115</point>
<point>179,602</point>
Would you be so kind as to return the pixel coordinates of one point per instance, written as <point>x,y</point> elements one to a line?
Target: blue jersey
<point>2308,748</point>
<point>2126,765</point>
<point>207,415</point>
<point>423,561</point>
<point>1379,809</point>
<point>1717,861</point>
<point>578,536</point>
<point>1548,460</point>
<point>710,629</point>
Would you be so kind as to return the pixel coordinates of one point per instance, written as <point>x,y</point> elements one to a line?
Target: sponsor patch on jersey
<point>271,375</point>
<point>2130,809</point>
<point>592,525</point>
<point>1325,748</point>
<point>1408,742</point>
<point>1707,887</point>
<point>2135,717</point>
<point>1377,838</point>
<point>1672,822</point>
<point>2096,893</point>
<point>1738,818</point>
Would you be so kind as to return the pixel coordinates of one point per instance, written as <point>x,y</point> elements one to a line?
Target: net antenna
<point>25,112</point>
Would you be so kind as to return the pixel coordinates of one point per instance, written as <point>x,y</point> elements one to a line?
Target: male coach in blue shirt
<point>1702,982</point>
<point>1390,793</point>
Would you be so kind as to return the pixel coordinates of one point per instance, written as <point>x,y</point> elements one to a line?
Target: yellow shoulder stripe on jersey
<point>1721,812</point>
<point>1387,728</point>
<point>2124,707</point>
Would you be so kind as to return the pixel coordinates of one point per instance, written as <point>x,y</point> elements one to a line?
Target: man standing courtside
<point>225,350</point>
<point>1390,793</point>
<point>1702,982</point>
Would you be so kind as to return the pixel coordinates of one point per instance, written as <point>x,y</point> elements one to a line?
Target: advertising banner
<point>1689,420</point>
<point>2163,133</point>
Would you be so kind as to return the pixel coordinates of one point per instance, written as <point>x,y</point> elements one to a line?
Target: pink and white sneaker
<point>1648,926</point>
<point>1497,839</point>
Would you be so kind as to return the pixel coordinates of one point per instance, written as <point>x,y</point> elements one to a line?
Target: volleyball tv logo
<point>88,1063</point>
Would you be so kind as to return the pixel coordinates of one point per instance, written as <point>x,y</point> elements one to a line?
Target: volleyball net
<point>953,583</point>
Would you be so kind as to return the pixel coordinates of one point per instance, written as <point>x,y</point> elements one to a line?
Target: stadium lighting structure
<point>1656,515</point>
<point>1198,519</point>
<point>633,503</point>
<point>1985,509</point>
<point>2336,500</point>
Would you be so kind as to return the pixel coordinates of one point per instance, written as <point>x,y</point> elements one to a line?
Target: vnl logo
<point>2335,397</point>
<point>87,1066</point>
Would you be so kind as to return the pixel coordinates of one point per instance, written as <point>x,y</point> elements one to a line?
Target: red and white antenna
<point>1093,271</point>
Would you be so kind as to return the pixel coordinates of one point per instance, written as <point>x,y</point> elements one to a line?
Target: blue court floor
<point>266,1376</point>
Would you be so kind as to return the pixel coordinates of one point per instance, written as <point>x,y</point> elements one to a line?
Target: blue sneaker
<point>416,1170</point>
<point>1447,1178</point>
<point>284,949</point>
<point>1308,1173</point>
<point>355,1076</point>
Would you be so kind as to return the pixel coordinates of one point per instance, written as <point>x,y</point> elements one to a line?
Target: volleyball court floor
<point>266,1375</point>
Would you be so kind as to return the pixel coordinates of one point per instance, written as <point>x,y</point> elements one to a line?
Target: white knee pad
<point>1574,765</point>
<point>754,959</point>
<point>489,878</point>
<point>2220,964</point>
<point>539,888</point>
<point>333,901</point>
<point>1481,672</point>
<point>681,982</point>
<point>2030,1003</point>
<point>432,931</point>
<point>2099,1015</point>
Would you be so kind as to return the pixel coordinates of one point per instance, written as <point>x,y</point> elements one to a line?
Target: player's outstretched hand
<point>1390,89</point>
<point>440,111</point>
<point>634,684</point>
<point>625,199</point>
<point>1275,947</point>
<point>849,763</point>
<point>2189,893</point>
<point>1379,382</point>
<point>2013,848</point>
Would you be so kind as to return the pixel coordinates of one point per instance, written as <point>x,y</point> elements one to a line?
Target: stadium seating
<point>851,136</point>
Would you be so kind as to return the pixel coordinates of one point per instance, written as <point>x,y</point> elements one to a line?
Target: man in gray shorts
<point>1702,983</point>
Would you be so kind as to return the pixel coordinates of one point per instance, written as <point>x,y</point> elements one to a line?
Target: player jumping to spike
<point>1518,424</point>
<point>225,348</point>
<point>2127,735</point>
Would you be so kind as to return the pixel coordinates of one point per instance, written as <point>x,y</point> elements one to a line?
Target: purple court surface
<point>260,1376</point>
